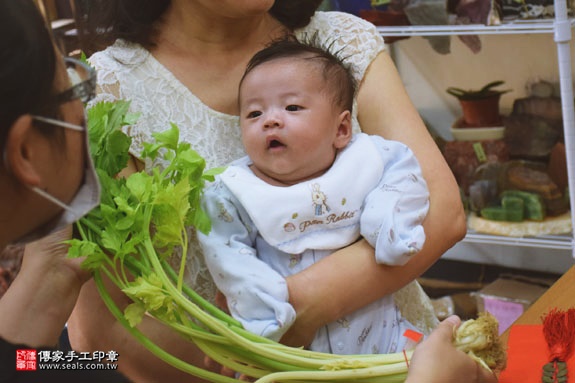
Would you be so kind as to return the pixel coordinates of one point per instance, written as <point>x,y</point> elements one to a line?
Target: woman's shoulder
<point>356,39</point>
<point>121,53</point>
<point>117,67</point>
<point>345,24</point>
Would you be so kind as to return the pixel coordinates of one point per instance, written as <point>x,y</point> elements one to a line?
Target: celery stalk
<point>140,221</point>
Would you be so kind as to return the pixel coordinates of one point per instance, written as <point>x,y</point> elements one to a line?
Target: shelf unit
<point>515,27</point>
<point>557,242</point>
<point>561,27</point>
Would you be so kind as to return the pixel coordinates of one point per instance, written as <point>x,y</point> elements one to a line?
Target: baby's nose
<point>272,121</point>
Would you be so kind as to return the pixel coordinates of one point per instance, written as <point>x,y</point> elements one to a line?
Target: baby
<point>308,187</point>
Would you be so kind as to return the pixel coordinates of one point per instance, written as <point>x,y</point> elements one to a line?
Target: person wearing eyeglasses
<point>47,183</point>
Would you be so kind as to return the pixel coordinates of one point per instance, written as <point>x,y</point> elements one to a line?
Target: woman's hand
<point>436,360</point>
<point>35,308</point>
<point>51,255</point>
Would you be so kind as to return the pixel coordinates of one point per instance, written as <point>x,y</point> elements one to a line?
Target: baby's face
<point>290,128</point>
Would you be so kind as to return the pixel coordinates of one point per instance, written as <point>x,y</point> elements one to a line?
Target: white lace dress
<point>128,71</point>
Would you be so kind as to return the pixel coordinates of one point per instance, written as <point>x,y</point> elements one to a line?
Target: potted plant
<point>383,13</point>
<point>480,107</point>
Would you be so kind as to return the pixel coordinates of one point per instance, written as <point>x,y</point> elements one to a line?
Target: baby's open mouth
<point>275,144</point>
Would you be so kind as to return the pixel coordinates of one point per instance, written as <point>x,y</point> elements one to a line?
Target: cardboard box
<point>508,298</point>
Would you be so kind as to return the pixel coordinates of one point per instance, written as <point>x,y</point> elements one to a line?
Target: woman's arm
<point>384,108</point>
<point>349,279</point>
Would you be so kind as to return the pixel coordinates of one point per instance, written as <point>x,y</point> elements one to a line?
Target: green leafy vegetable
<point>141,221</point>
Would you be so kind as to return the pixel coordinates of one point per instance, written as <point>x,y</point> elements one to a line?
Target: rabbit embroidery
<point>318,198</point>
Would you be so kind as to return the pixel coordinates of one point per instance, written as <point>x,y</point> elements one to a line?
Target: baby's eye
<point>254,114</point>
<point>293,108</point>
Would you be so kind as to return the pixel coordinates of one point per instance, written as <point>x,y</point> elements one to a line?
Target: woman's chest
<point>214,82</point>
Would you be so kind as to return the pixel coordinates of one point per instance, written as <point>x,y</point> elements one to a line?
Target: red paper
<point>526,354</point>
<point>413,335</point>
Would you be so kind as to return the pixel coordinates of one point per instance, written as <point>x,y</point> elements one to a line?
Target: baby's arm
<point>394,211</point>
<point>256,294</point>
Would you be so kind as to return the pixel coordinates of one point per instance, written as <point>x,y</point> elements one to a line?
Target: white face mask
<point>86,199</point>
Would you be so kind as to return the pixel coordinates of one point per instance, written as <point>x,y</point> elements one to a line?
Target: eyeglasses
<point>83,79</point>
<point>62,124</point>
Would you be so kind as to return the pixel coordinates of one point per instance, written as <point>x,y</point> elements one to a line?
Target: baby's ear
<point>343,135</point>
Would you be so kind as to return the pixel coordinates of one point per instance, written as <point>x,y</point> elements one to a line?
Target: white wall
<point>516,59</point>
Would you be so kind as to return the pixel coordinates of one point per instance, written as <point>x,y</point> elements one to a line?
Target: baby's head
<point>295,103</point>
<point>339,83</point>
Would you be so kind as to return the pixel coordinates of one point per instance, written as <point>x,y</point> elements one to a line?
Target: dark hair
<point>103,21</point>
<point>27,64</point>
<point>294,14</point>
<point>337,75</point>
